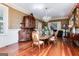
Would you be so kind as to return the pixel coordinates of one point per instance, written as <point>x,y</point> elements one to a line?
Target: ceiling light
<point>38,6</point>
<point>46,18</point>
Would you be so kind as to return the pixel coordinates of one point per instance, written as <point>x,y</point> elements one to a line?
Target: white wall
<point>10,38</point>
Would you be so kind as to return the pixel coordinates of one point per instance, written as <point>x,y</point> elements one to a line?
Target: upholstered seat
<point>52,38</point>
<point>39,42</point>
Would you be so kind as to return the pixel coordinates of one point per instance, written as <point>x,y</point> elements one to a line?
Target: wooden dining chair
<point>36,41</point>
<point>53,38</point>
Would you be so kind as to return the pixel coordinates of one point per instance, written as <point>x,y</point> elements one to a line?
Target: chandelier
<point>46,17</point>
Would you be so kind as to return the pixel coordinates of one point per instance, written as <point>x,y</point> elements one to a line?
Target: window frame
<point>5,19</point>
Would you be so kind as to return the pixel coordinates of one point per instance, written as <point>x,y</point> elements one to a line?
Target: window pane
<point>1,27</point>
<point>1,18</point>
<point>1,14</point>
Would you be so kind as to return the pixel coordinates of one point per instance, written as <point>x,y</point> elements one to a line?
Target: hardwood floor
<point>25,49</point>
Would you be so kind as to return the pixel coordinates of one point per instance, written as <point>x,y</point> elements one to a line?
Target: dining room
<point>39,29</point>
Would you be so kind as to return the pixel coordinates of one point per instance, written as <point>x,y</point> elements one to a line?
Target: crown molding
<point>58,18</point>
<point>18,8</point>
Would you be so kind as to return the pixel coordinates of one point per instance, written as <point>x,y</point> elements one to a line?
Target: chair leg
<point>48,42</point>
<point>39,47</point>
<point>55,41</point>
<point>32,45</point>
<point>43,45</point>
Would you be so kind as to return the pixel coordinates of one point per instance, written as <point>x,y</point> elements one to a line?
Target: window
<point>55,25</point>
<point>3,19</point>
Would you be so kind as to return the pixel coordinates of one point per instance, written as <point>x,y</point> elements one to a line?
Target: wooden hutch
<point>27,26</point>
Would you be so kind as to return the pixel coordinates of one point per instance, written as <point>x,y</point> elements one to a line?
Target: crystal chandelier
<point>46,17</point>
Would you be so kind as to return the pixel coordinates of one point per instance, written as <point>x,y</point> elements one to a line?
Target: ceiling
<point>51,10</point>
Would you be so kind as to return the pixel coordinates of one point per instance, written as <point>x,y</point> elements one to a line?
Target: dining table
<point>45,38</point>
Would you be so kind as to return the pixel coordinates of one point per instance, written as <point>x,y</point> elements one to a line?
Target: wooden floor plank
<point>26,49</point>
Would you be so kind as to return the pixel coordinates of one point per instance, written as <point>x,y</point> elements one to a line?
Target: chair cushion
<point>40,42</point>
<point>52,38</point>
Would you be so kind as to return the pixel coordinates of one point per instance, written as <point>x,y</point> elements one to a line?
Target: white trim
<point>58,18</point>
<point>18,8</point>
<point>10,38</point>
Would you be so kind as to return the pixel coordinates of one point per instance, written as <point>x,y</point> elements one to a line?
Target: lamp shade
<point>70,26</point>
<point>65,26</point>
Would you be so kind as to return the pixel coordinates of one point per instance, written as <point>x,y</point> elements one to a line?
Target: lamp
<point>65,27</point>
<point>70,26</point>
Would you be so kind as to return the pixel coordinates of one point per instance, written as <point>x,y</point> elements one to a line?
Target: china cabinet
<point>27,26</point>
